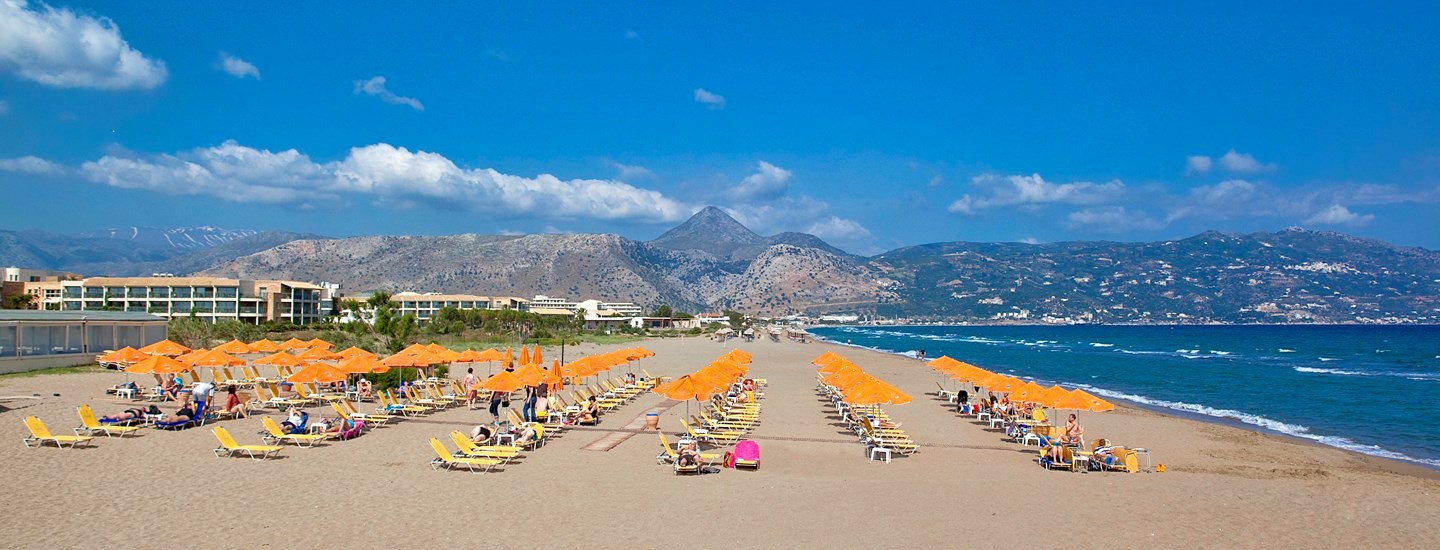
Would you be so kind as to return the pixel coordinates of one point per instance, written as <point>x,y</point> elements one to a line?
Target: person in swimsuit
<point>184,413</point>
<point>1074,432</point>
<point>233,404</point>
<point>481,434</point>
<point>126,415</point>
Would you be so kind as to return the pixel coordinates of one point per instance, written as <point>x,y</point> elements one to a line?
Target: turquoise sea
<point>1372,389</point>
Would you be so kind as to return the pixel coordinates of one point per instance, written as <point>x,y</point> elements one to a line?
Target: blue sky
<point>872,126</point>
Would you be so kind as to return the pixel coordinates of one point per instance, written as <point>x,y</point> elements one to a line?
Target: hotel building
<point>207,298</point>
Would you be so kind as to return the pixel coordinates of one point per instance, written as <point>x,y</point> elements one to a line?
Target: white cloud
<point>1198,164</point>
<point>393,176</point>
<point>238,68</point>
<point>4,107</point>
<point>1336,214</point>
<point>1111,219</point>
<point>376,87</point>
<point>498,54</point>
<point>710,99</point>
<point>1243,163</point>
<point>630,34</point>
<point>1029,240</point>
<point>993,191</point>
<point>768,182</point>
<point>65,49</point>
<point>837,229</point>
<point>30,165</point>
<point>628,172</point>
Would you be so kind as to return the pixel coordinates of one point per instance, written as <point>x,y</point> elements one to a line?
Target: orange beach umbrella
<point>166,348</point>
<point>126,356</point>
<point>503,382</point>
<point>264,346</point>
<point>158,364</point>
<point>235,347</point>
<point>322,373</point>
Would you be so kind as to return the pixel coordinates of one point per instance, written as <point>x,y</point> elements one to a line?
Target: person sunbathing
<point>295,421</point>
<point>590,414</point>
<point>481,434</point>
<point>168,390</point>
<point>1074,432</point>
<point>185,413</point>
<point>233,406</point>
<point>689,455</point>
<point>362,388</point>
<point>130,415</point>
<point>526,436</point>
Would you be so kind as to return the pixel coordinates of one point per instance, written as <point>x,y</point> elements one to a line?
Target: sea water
<point>1371,389</point>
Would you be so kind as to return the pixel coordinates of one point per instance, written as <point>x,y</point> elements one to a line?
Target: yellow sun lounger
<point>669,453</point>
<point>503,453</point>
<point>449,461</point>
<point>228,446</point>
<point>274,434</point>
<point>39,434</point>
<point>89,425</point>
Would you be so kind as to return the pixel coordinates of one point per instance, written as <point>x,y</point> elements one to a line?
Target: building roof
<point>297,284</point>
<point>551,311</point>
<point>161,281</point>
<point>36,315</point>
<point>408,296</point>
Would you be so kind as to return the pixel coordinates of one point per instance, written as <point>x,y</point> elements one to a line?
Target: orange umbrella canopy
<point>1053,395</point>
<point>1080,400</point>
<point>215,358</point>
<point>319,354</point>
<point>406,360</point>
<point>188,356</point>
<point>687,387</point>
<point>489,354</point>
<point>524,355</point>
<point>534,375</point>
<point>468,356</point>
<point>970,373</point>
<point>578,368</point>
<point>280,359</point>
<point>943,363</point>
<point>1028,392</point>
<point>353,352</point>
<point>126,355</point>
<point>360,364</point>
<point>234,347</point>
<point>557,381</point>
<point>164,347</point>
<point>264,346</point>
<point>318,343</point>
<point>535,357</point>
<point>322,373</point>
<point>158,364</point>
<point>509,356</point>
<point>503,381</point>
<point>294,343</point>
<point>873,391</point>
<point>823,358</point>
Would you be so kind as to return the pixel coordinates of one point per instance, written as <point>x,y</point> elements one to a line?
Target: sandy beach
<point>1225,486</point>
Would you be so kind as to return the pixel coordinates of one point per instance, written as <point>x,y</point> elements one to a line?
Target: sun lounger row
<point>881,436</point>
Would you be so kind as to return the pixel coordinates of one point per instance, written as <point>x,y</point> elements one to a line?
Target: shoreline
<point>1394,465</point>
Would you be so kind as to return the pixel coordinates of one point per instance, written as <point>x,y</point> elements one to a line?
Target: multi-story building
<point>207,298</point>
<point>42,285</point>
<point>425,306</point>
<point>541,301</point>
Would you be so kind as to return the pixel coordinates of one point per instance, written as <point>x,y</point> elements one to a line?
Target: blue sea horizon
<point>1332,384</point>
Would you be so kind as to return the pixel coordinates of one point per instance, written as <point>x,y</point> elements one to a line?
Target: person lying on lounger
<point>526,436</point>
<point>481,434</point>
<point>184,413</point>
<point>128,415</point>
<point>689,455</point>
<point>295,421</point>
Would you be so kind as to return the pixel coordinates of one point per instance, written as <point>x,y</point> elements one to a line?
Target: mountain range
<point>713,262</point>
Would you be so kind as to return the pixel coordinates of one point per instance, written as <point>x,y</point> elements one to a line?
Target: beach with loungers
<point>776,443</point>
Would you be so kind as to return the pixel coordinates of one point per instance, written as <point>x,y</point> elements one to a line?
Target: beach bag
<point>729,459</point>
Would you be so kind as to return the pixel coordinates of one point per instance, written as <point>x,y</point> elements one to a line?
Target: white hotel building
<point>207,298</point>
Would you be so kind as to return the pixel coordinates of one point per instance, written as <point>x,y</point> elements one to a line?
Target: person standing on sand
<point>527,411</point>
<point>495,405</point>
<point>470,392</point>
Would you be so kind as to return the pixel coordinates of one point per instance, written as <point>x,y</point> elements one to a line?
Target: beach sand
<point>968,486</point>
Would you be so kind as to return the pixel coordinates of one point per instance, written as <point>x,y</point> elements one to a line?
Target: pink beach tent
<point>747,454</point>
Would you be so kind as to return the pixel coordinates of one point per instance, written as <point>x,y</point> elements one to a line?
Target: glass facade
<point>7,341</point>
<point>227,292</point>
<point>180,292</point>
